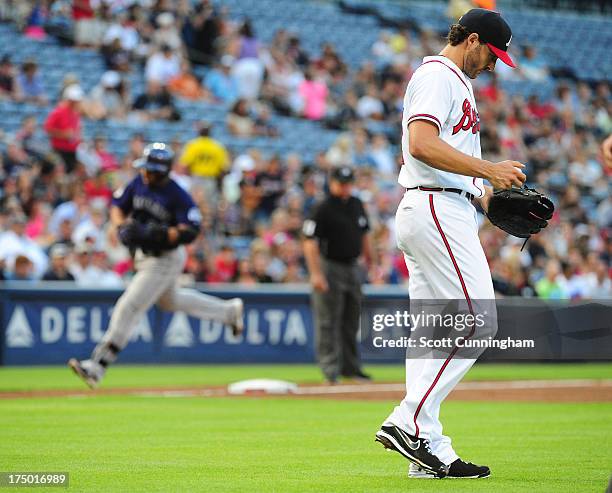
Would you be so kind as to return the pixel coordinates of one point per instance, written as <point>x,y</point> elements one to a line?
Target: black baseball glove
<point>131,233</point>
<point>150,236</point>
<point>155,237</point>
<point>520,211</point>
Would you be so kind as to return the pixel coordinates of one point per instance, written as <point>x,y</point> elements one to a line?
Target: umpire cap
<point>343,174</point>
<point>156,157</point>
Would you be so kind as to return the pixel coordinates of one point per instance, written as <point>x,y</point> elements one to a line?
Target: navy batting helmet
<point>156,157</point>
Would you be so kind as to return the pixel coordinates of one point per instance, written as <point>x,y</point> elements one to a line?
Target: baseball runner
<point>437,228</point>
<point>154,217</point>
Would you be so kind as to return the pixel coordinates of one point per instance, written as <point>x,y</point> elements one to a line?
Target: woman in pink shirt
<point>314,94</point>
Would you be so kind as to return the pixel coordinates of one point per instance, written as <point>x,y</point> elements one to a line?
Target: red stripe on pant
<point>467,298</point>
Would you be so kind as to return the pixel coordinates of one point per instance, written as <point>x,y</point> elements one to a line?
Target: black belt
<point>463,193</point>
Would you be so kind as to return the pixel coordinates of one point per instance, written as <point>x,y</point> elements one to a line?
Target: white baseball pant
<point>438,233</point>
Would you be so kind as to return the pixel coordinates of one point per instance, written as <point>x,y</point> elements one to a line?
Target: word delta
<point>86,324</point>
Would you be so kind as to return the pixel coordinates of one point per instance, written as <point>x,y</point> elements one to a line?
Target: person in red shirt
<point>63,126</point>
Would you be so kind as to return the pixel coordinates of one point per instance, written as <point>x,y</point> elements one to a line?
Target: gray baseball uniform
<point>158,265</point>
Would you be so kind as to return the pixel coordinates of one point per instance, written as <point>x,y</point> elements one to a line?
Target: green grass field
<point>133,444</point>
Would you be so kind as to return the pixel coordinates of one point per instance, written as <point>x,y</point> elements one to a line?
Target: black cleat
<point>416,450</point>
<point>467,470</point>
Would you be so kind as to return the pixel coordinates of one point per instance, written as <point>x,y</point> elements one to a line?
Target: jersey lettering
<point>152,207</point>
<point>469,119</point>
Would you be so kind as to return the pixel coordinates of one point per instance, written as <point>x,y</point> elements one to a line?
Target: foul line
<point>315,390</point>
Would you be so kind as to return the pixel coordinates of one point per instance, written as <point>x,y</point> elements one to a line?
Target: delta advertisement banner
<point>48,327</point>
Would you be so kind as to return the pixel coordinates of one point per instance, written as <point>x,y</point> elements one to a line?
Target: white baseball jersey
<point>440,93</point>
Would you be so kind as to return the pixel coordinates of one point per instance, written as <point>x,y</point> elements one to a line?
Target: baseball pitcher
<point>154,217</point>
<point>437,227</point>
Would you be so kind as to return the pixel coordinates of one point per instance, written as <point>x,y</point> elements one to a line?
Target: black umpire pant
<point>336,315</point>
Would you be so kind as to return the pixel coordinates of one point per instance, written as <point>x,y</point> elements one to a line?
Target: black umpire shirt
<point>339,225</point>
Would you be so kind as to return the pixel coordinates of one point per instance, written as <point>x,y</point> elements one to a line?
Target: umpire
<point>335,236</point>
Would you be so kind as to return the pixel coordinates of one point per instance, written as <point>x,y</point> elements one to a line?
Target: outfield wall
<point>49,323</point>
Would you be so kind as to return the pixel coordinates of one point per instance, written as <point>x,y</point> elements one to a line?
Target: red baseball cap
<point>492,30</point>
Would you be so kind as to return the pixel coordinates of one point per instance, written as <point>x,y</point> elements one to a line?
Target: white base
<point>262,386</point>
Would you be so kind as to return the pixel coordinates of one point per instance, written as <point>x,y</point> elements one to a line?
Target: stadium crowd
<point>56,194</point>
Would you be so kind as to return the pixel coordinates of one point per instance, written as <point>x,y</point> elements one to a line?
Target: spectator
<point>107,160</point>
<point>30,83</point>
<point>314,95</point>
<point>9,86</point>
<point>185,85</point>
<point>207,160</point>
<point>74,211</point>
<point>36,228</point>
<point>369,105</point>
<point>531,66</point>
<point>220,82</point>
<point>105,100</point>
<point>549,287</point>
<point>166,33</point>
<point>249,46</point>
<point>63,126</point>
<point>123,29</point>
<point>248,73</point>
<point>98,187</point>
<point>162,66</point>
<point>58,270</point>
<point>345,113</point>
<point>282,84</point>
<point>91,230</point>
<point>271,186</point>
<point>341,152</point>
<point>239,219</point>
<point>102,275</point>
<point>14,242</point>
<point>381,155</point>
<point>245,275</point>
<point>82,268</point>
<point>36,20</point>
<point>205,26</point>
<point>248,69</point>
<point>382,50</point>
<point>22,270</point>
<point>25,135</point>
<point>599,283</point>
<point>88,30</point>
<point>260,261</point>
<point>116,57</point>
<point>15,158</point>
<point>239,122</point>
<point>225,265</point>
<point>263,126</point>
<point>63,235</point>
<point>155,104</point>
<point>361,150</point>
<point>296,53</point>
